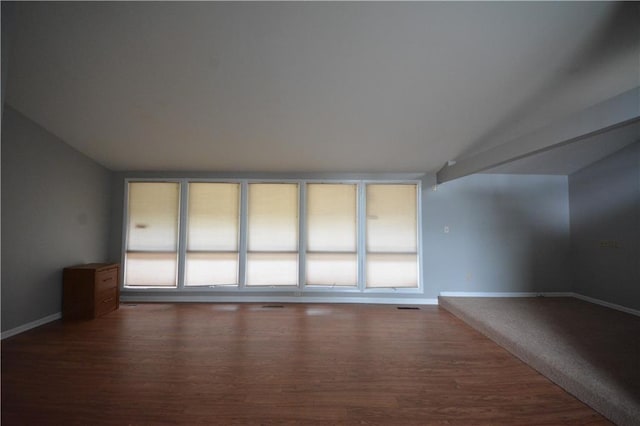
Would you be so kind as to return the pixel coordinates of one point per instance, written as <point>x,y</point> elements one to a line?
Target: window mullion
<point>182,232</point>
<point>361,215</point>
<point>125,234</point>
<point>242,249</point>
<point>302,236</point>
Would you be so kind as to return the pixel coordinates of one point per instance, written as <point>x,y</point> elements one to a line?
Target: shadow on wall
<point>507,233</point>
<point>605,228</point>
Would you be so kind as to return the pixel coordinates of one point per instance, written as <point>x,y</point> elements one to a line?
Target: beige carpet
<point>591,351</point>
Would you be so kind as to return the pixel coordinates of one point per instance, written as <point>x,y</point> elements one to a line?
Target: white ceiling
<point>318,87</point>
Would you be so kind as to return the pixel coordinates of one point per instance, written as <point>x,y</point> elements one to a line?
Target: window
<point>213,231</point>
<point>332,257</point>
<point>151,257</point>
<point>392,237</point>
<point>272,256</point>
<point>244,235</point>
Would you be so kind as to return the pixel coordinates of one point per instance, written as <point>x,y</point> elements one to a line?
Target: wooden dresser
<point>90,290</point>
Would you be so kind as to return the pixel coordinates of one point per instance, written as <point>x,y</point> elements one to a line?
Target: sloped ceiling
<point>327,87</point>
<point>570,158</point>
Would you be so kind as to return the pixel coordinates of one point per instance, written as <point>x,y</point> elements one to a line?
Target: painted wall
<point>7,18</point>
<point>605,228</point>
<point>507,233</point>
<point>55,213</point>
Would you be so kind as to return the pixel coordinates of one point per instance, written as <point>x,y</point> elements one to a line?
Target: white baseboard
<point>33,324</point>
<point>607,304</point>
<point>542,294</point>
<point>504,294</point>
<point>277,299</point>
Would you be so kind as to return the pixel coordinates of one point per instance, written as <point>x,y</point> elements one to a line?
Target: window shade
<point>391,218</point>
<point>392,236</point>
<point>153,216</point>
<point>213,216</point>
<point>273,217</point>
<point>151,269</point>
<point>392,270</point>
<point>339,269</point>
<point>212,234</point>
<point>153,211</point>
<point>272,257</point>
<point>211,269</point>
<point>331,258</point>
<point>331,217</point>
<point>272,269</point>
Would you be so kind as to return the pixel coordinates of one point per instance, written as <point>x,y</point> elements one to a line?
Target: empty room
<point>384,213</point>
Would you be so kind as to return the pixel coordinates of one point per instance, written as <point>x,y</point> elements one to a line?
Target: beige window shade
<point>392,236</point>
<point>392,270</point>
<point>213,217</point>
<point>211,269</point>
<point>331,258</point>
<point>272,257</point>
<point>212,234</point>
<point>153,216</point>
<point>333,269</point>
<point>331,217</point>
<point>272,269</point>
<point>151,269</point>
<point>273,217</point>
<point>152,239</point>
<point>391,218</point>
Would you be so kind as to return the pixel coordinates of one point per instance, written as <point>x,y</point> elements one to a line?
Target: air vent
<point>408,307</point>
<point>273,306</point>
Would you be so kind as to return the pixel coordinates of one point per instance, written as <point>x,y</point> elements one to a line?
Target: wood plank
<point>245,364</point>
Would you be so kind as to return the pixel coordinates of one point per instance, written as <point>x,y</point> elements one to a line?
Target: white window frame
<point>302,287</point>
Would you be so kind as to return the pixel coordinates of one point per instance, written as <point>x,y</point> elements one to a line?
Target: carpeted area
<point>591,351</point>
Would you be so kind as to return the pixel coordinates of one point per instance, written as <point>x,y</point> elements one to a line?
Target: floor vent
<point>273,306</point>
<point>408,307</point>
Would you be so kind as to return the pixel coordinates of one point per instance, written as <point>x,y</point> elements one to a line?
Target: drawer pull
<point>104,280</point>
<point>107,300</point>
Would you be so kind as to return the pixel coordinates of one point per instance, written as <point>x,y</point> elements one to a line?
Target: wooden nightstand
<point>90,291</point>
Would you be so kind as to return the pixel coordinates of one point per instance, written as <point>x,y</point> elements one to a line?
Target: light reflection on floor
<point>318,311</point>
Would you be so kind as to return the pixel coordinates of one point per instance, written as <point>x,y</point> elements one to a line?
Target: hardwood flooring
<point>231,364</point>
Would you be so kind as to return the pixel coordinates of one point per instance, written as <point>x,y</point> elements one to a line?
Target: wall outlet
<point>609,244</point>
<point>446,229</point>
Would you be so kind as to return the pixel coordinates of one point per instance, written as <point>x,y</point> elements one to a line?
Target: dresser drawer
<point>90,290</point>
<point>106,280</point>
<point>106,301</point>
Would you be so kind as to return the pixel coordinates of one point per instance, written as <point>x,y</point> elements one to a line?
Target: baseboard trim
<point>28,326</point>
<point>607,304</point>
<point>278,299</point>
<point>504,294</point>
<point>542,294</point>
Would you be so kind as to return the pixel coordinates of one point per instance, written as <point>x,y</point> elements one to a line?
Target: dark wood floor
<point>300,364</point>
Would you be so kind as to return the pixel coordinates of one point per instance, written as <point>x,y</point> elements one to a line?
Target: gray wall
<point>55,213</point>
<point>507,233</point>
<point>605,228</point>
<point>8,12</point>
